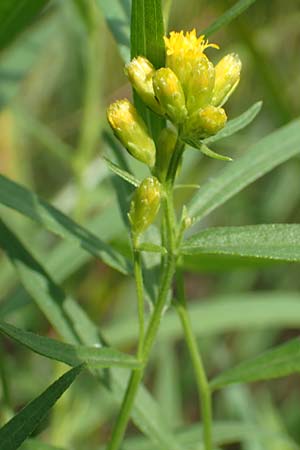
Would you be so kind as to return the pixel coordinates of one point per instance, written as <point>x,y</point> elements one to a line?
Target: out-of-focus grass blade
<point>117,16</point>
<point>222,314</point>
<point>15,16</point>
<point>67,353</point>
<point>22,425</point>
<point>35,444</point>
<point>238,8</point>
<point>262,157</point>
<point>36,281</point>
<point>18,60</point>
<point>237,124</point>
<point>278,362</point>
<point>66,316</point>
<point>276,241</point>
<point>29,204</point>
<point>147,30</point>
<point>225,433</point>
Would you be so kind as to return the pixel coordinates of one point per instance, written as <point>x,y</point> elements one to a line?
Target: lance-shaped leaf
<point>276,241</point>
<point>22,425</point>
<point>262,157</point>
<point>279,362</point>
<point>30,205</point>
<point>73,355</point>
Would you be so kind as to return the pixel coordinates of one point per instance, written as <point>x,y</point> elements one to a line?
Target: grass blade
<point>37,282</point>
<point>147,30</point>
<point>232,13</point>
<point>29,204</point>
<point>15,16</point>
<point>262,157</point>
<point>70,354</point>
<point>278,362</point>
<point>222,314</point>
<point>117,16</point>
<point>276,241</point>
<point>26,421</point>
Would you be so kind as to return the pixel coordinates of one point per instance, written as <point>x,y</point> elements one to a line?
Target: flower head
<point>184,51</point>
<point>131,130</point>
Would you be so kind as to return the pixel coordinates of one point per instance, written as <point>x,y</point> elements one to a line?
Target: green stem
<point>140,296</point>
<point>151,332</point>
<point>204,391</point>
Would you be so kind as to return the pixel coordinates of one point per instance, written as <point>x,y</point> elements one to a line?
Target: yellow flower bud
<point>200,85</point>
<point>140,72</point>
<point>165,147</point>
<point>144,205</point>
<point>227,78</point>
<point>131,130</point>
<point>204,123</point>
<point>170,95</point>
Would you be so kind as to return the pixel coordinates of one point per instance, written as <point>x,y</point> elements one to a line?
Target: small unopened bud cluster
<point>190,92</point>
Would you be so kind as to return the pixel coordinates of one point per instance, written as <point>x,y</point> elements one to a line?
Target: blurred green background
<point>56,80</point>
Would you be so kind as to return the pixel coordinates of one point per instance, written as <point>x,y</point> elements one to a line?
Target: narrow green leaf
<point>278,362</point>
<point>117,16</point>
<point>232,13</point>
<point>224,433</point>
<point>122,173</point>
<point>237,124</point>
<point>276,241</point>
<point>221,314</point>
<point>71,321</point>
<point>262,157</point>
<point>147,30</point>
<point>35,444</point>
<point>208,152</point>
<point>17,61</point>
<point>36,281</point>
<point>29,204</point>
<point>22,425</point>
<point>73,355</point>
<point>15,16</point>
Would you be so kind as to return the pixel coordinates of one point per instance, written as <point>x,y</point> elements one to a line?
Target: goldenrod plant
<point>164,307</point>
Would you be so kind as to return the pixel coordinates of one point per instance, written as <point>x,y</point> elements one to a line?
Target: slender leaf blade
<point>15,16</point>
<point>22,425</point>
<point>275,363</point>
<point>73,355</point>
<point>222,314</point>
<point>232,13</point>
<point>147,30</point>
<point>72,322</point>
<point>262,157</point>
<point>237,124</point>
<point>24,201</point>
<point>117,16</point>
<point>36,281</point>
<point>276,241</point>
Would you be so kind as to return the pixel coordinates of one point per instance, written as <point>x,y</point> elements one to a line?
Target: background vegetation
<point>56,79</point>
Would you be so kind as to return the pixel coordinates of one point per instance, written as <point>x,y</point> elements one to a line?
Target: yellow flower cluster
<point>190,92</point>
